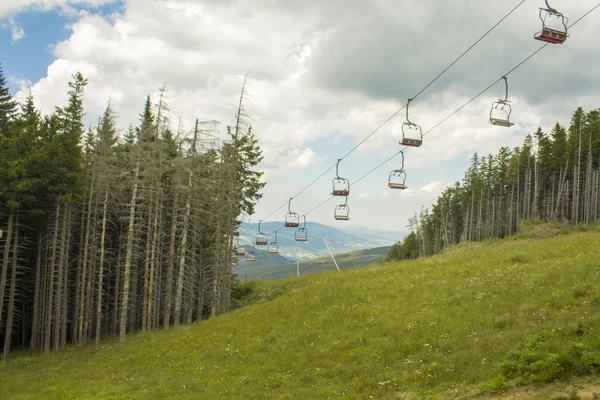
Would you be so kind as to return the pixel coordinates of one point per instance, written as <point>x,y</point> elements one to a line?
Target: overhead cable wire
<point>455,111</point>
<point>395,113</point>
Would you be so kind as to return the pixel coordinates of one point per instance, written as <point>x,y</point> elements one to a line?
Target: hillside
<point>469,323</point>
<point>289,269</point>
<point>340,240</point>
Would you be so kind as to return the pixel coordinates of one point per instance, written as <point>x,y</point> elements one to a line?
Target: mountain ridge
<point>339,239</point>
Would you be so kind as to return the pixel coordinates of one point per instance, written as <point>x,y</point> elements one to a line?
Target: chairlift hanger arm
<point>402,156</point>
<point>506,89</point>
<point>549,8</point>
<point>337,166</point>
<point>407,106</point>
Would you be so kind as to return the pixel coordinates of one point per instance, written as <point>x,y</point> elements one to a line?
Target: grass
<point>474,321</point>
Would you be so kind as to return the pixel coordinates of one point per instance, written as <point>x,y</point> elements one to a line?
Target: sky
<point>322,76</point>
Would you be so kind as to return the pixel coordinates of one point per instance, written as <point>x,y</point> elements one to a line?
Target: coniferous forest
<point>553,177</point>
<point>106,233</point>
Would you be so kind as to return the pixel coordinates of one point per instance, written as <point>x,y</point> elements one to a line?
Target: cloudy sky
<point>323,76</point>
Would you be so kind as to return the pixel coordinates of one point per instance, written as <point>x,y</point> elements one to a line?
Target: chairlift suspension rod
<point>506,88</point>
<point>407,106</point>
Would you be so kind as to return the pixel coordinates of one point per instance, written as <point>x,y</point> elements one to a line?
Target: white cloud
<point>432,188</point>
<point>298,159</point>
<point>23,84</point>
<point>16,30</point>
<point>325,70</point>
<point>363,195</point>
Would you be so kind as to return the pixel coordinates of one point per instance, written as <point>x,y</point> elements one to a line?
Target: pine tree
<point>8,106</point>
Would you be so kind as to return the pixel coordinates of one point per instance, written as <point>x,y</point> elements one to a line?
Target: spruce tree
<point>8,107</point>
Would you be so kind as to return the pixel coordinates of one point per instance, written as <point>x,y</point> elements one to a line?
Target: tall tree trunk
<point>101,270</point>
<point>128,256</point>
<point>149,312</point>
<point>11,294</point>
<point>147,267</point>
<point>84,262</point>
<point>36,296</point>
<point>78,284</point>
<point>59,281</point>
<point>50,300</point>
<point>576,182</point>
<point>171,261</point>
<point>65,283</point>
<point>182,253</point>
<point>5,261</point>
<point>117,287</point>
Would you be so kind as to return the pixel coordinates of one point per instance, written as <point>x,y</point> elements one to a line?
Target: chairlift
<point>302,233</point>
<point>261,238</point>
<point>501,110</point>
<point>240,251</point>
<point>341,186</point>
<point>273,247</point>
<point>342,212</point>
<point>554,26</point>
<point>250,256</point>
<point>397,179</point>
<point>292,220</point>
<point>412,134</point>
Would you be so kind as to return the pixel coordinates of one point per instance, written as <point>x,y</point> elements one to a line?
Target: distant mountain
<point>351,259</point>
<point>340,240</point>
<point>263,258</point>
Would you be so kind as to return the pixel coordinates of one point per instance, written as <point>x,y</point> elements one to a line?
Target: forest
<point>553,177</point>
<point>105,233</point>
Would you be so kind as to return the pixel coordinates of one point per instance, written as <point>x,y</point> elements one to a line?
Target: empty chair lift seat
<point>411,142</point>
<point>552,36</point>
<point>340,192</point>
<point>396,185</point>
<point>501,122</point>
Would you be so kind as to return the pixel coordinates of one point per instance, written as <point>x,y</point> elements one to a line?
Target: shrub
<point>243,294</point>
<point>546,357</point>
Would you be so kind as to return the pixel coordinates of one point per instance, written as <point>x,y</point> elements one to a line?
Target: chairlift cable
<point>469,49</point>
<point>417,95</point>
<point>453,113</point>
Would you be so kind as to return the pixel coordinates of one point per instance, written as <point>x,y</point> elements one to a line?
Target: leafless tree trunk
<point>36,296</point>
<point>11,295</point>
<point>49,303</point>
<point>101,269</point>
<point>59,280</point>
<point>5,261</point>
<point>183,248</point>
<point>129,256</point>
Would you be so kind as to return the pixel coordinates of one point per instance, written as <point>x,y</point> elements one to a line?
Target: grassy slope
<point>432,328</point>
<point>345,260</point>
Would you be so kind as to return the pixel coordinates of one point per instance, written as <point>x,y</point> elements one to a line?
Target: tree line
<point>552,176</point>
<point>106,234</point>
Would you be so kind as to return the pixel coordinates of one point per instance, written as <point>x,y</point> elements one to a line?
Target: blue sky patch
<point>28,59</point>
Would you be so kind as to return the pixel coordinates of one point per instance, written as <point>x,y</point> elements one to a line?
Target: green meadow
<point>485,320</point>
